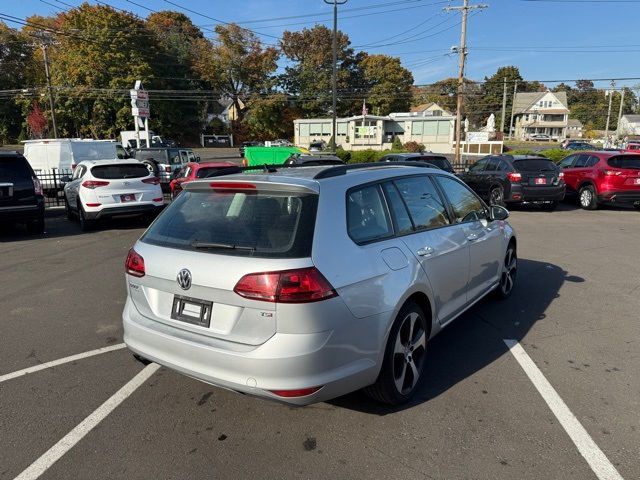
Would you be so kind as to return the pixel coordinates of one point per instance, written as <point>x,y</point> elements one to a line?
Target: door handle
<point>472,236</point>
<point>425,251</point>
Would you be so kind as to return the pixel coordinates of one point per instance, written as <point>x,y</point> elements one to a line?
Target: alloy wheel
<point>409,353</point>
<point>585,197</point>
<point>509,271</point>
<point>496,196</point>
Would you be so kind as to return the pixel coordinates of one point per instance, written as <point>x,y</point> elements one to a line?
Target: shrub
<point>343,155</point>
<point>397,144</point>
<point>414,147</point>
<point>554,154</point>
<point>364,156</point>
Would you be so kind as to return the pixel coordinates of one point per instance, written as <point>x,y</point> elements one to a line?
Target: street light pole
<point>44,46</point>
<point>334,75</point>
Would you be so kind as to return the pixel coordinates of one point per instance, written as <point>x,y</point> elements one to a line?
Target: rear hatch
<point>537,172</point>
<point>124,183</point>
<point>207,240</point>
<point>624,172</point>
<point>16,182</point>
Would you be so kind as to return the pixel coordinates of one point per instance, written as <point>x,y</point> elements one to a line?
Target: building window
<point>416,128</point>
<point>444,127</point>
<point>342,128</point>
<point>304,129</point>
<point>315,129</point>
<point>326,129</point>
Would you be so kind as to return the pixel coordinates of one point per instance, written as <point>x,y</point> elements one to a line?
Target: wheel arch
<point>585,183</point>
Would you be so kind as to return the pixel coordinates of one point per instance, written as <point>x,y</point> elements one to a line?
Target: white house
<point>435,132</point>
<point>541,112</point>
<point>629,125</point>
<point>574,128</point>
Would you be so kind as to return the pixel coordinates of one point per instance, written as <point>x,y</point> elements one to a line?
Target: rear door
<point>16,182</point>
<point>218,236</point>
<point>473,176</point>
<point>440,247</point>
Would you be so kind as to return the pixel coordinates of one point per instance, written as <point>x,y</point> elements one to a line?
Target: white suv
<point>307,283</point>
<point>109,188</point>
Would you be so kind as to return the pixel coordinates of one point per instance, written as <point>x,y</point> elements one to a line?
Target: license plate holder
<point>540,181</point>
<point>128,197</point>
<point>191,310</point>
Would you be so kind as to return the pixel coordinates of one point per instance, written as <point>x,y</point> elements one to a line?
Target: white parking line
<point>67,442</point>
<point>597,460</point>
<point>42,366</point>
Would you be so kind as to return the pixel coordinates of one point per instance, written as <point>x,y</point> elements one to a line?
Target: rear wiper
<point>227,246</point>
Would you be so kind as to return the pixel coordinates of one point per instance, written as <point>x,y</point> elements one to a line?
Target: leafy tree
<point>388,84</point>
<point>37,121</point>
<point>271,117</point>
<point>309,76</point>
<point>445,94</point>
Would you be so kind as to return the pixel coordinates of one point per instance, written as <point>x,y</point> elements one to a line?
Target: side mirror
<point>496,212</point>
<point>197,159</point>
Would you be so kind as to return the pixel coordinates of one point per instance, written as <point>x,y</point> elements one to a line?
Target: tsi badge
<point>184,279</point>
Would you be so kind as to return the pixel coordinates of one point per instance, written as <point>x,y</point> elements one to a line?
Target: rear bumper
<point>284,362</point>
<point>116,211</point>
<point>15,213</point>
<point>622,198</point>
<point>528,194</point>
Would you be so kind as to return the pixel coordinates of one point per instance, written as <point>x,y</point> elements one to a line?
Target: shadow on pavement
<point>475,340</point>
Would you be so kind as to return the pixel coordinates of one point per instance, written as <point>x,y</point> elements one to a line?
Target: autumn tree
<point>271,117</point>
<point>308,77</point>
<point>388,84</point>
<point>37,121</point>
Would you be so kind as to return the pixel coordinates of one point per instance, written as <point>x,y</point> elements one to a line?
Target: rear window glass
<point>367,216</point>
<point>534,165</point>
<point>14,169</point>
<point>205,172</point>
<point>440,162</point>
<point>157,155</point>
<point>113,172</point>
<point>627,161</point>
<point>262,224</point>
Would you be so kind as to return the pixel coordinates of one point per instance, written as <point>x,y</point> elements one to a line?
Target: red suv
<point>194,171</point>
<point>603,177</point>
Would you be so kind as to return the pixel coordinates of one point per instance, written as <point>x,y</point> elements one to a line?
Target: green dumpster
<point>268,155</point>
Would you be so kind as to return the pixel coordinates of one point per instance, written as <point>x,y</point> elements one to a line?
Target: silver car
<point>307,283</point>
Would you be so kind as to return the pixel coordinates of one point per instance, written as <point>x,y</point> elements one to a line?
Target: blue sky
<point>547,39</point>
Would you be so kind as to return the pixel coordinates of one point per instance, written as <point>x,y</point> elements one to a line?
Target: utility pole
<point>462,50</point>
<point>334,75</point>
<point>44,45</point>
<point>504,105</point>
<point>513,107</point>
<point>620,112</point>
<point>613,86</point>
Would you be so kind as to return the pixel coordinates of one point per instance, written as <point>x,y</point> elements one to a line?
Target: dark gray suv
<point>21,196</point>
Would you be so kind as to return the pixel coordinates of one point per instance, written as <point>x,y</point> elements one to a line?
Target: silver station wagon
<point>303,284</point>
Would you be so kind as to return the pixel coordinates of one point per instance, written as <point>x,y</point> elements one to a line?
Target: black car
<point>510,179</point>
<point>21,196</point>
<point>248,144</point>
<point>312,160</point>
<point>436,160</point>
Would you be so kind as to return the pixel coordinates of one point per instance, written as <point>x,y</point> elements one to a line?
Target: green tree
<point>270,117</point>
<point>388,84</point>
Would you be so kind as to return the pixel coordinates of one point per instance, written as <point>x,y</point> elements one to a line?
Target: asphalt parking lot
<point>478,415</point>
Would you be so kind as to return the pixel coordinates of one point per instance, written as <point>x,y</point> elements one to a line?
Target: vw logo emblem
<point>184,279</point>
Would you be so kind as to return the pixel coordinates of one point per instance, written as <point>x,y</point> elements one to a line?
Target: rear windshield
<point>113,172</point>
<point>14,168</point>
<point>205,172</point>
<point>627,161</point>
<point>440,162</point>
<point>263,224</point>
<point>534,165</point>
<point>157,155</point>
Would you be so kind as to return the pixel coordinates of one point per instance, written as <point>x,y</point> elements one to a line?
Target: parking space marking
<point>67,442</point>
<point>60,361</point>
<point>596,459</point>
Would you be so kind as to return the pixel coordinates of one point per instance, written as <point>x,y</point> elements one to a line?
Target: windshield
<point>625,161</point>
<point>125,170</point>
<point>534,165</point>
<point>263,224</point>
<point>93,151</point>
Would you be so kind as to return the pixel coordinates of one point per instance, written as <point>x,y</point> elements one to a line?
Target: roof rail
<point>343,169</point>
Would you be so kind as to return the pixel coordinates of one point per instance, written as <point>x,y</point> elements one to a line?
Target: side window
<point>567,162</point>
<point>466,206</point>
<point>425,205</point>
<point>493,164</point>
<point>504,166</point>
<point>479,165</point>
<point>593,160</point>
<point>367,215</point>
<point>184,158</point>
<point>400,213</point>
<point>582,161</point>
<point>191,156</point>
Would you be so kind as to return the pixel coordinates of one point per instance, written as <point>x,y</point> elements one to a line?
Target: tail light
<point>152,180</point>
<point>233,187</point>
<point>37,186</point>
<point>94,184</point>
<point>561,175</point>
<point>514,177</point>
<point>167,169</point>
<point>134,265</point>
<point>159,199</point>
<point>290,286</point>
<point>299,392</point>
<point>612,173</point>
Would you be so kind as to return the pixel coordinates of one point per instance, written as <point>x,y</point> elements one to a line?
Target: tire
<point>152,167</point>
<point>85,224</point>
<point>496,196</point>
<point>141,359</point>
<point>508,274</point>
<point>67,209</point>
<point>587,198</point>
<point>404,358</point>
<point>36,227</point>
